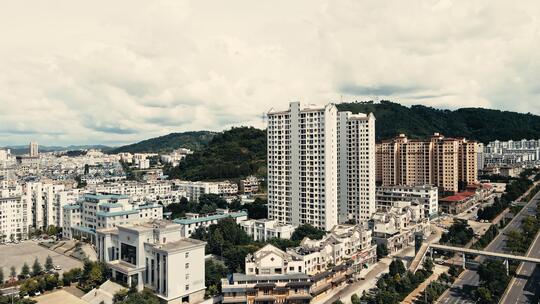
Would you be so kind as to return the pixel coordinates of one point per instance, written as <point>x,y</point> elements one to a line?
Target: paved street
<point>460,291</point>
<point>522,288</point>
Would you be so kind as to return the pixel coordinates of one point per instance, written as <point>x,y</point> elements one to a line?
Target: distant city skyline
<point>76,73</point>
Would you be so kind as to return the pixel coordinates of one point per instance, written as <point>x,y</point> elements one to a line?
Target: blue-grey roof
<point>105,196</point>
<point>209,218</point>
<point>71,207</point>
<point>84,229</point>
<point>108,214</point>
<point>111,205</point>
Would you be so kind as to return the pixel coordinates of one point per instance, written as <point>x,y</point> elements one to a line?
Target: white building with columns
<point>154,255</point>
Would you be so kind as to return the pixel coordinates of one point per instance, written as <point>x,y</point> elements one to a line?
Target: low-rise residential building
<point>396,227</point>
<point>425,196</point>
<point>174,158</point>
<point>265,229</point>
<point>193,221</point>
<point>154,255</point>
<point>249,289</point>
<point>194,190</point>
<point>97,211</point>
<point>227,188</point>
<point>457,203</point>
<point>249,185</point>
<point>302,273</point>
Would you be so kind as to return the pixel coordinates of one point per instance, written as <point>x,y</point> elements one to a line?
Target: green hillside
<point>234,153</point>
<point>419,121</point>
<point>191,140</point>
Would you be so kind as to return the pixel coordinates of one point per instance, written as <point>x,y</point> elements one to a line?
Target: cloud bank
<point>112,72</point>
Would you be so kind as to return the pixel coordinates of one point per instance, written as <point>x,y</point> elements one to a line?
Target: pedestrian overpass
<point>425,248</point>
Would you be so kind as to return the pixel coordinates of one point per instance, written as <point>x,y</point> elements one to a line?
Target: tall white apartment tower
<point>34,149</point>
<point>356,159</point>
<point>302,165</point>
<point>321,168</point>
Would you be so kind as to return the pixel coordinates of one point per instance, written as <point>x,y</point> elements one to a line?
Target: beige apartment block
<point>438,161</point>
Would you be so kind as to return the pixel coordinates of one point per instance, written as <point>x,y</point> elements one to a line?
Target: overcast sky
<point>112,72</point>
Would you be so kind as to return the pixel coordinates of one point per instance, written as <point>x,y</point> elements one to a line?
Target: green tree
<point>143,297</point>
<point>355,299</point>
<point>214,272</point>
<point>428,265</point>
<point>36,268</point>
<point>120,295</point>
<point>309,231</point>
<point>382,251</point>
<point>49,263</point>
<point>12,272</point>
<point>484,295</point>
<point>396,267</point>
<point>1,276</point>
<point>493,276</point>
<point>25,270</point>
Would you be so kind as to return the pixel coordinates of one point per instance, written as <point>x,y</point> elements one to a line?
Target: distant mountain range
<point>192,140</point>
<point>418,121</point>
<point>24,149</point>
<point>241,151</point>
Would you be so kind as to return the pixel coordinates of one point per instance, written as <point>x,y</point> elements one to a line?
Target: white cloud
<point>121,71</point>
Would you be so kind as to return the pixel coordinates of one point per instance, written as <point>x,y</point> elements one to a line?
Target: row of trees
<point>514,190</point>
<point>520,241</point>
<point>490,234</point>
<point>395,285</point>
<point>26,271</point>
<point>209,203</point>
<point>493,282</point>
<point>436,288</point>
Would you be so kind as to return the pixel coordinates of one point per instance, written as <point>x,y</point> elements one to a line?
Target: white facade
<point>265,229</point>
<point>34,149</point>
<point>13,218</point>
<point>342,244</point>
<point>397,227</point>
<point>498,153</point>
<point>193,221</point>
<point>46,202</point>
<point>98,211</point>
<point>321,168</point>
<point>160,191</point>
<point>249,185</point>
<point>154,255</point>
<point>425,196</point>
<point>356,158</point>
<point>194,190</point>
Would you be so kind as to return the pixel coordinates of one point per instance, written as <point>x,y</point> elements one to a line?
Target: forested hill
<point>234,153</point>
<point>419,121</point>
<point>191,140</point>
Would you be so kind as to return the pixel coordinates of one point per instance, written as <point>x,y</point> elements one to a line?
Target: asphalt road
<point>460,292</point>
<point>527,280</point>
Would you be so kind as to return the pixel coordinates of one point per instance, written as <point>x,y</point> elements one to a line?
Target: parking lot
<point>17,254</point>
